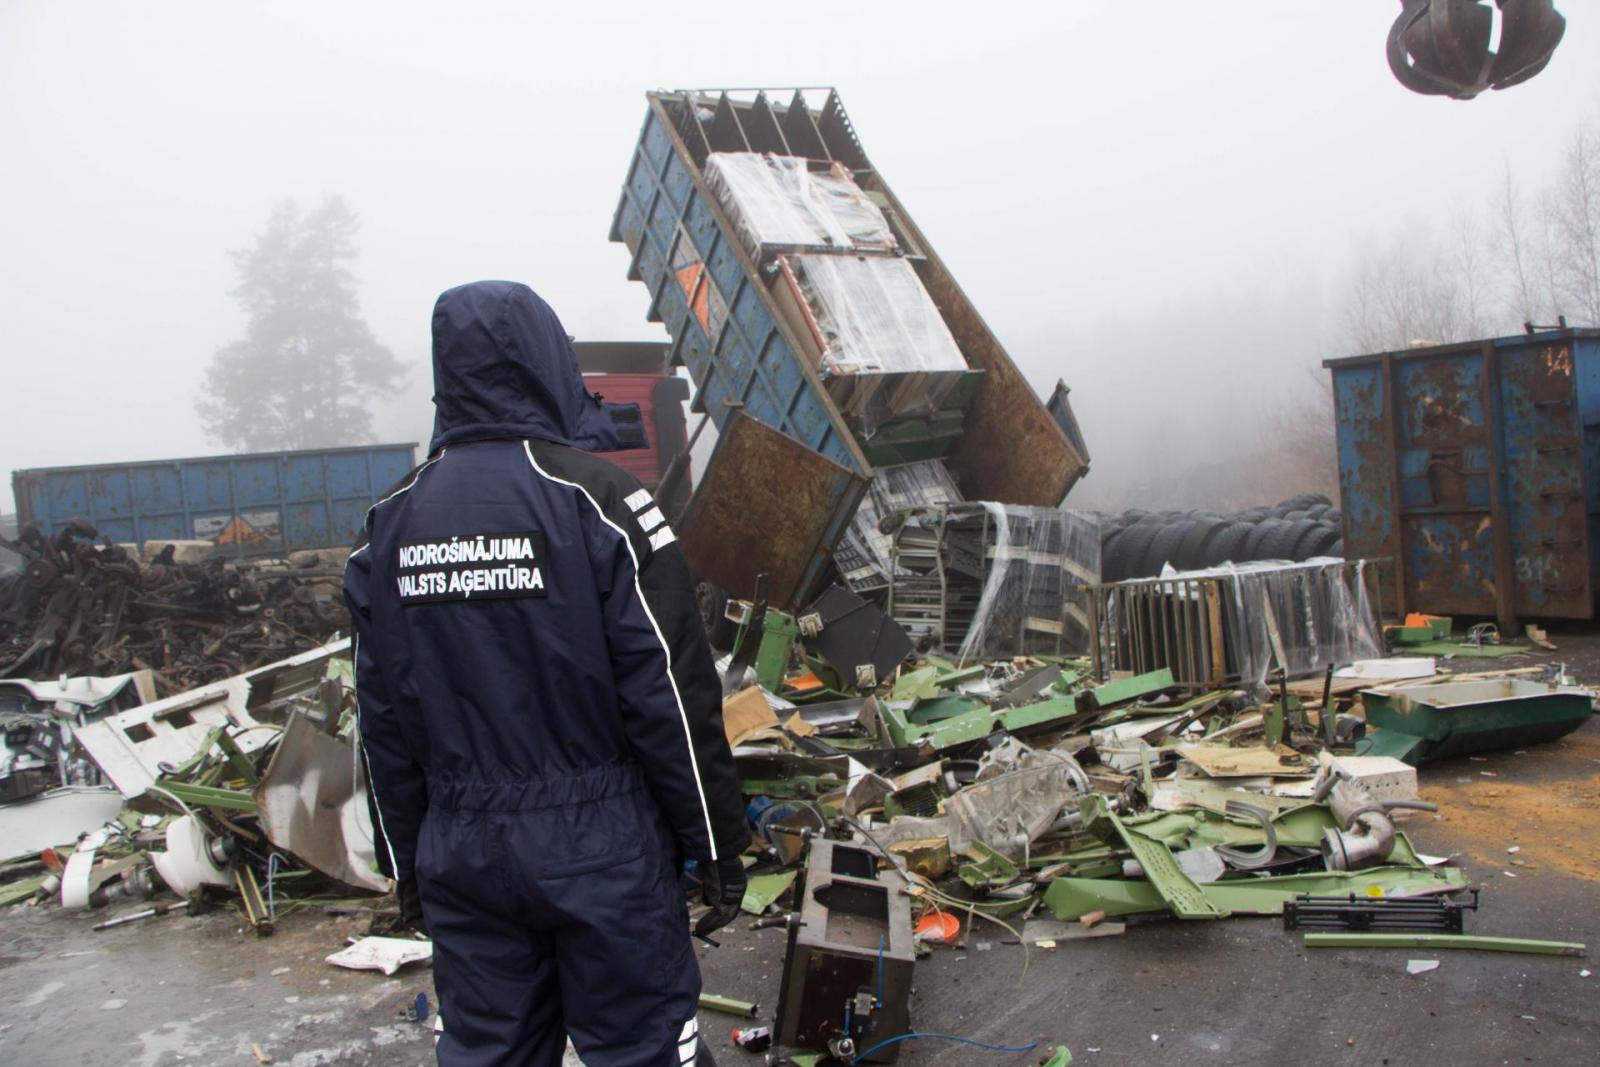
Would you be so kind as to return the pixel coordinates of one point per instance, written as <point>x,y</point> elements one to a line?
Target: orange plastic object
<point>802,683</point>
<point>938,927</point>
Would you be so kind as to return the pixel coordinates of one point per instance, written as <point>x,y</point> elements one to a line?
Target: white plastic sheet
<point>1297,616</point>
<point>785,204</point>
<point>386,954</point>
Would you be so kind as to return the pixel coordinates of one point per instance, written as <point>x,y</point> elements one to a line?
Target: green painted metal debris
<point>1441,941</point>
<point>208,796</point>
<point>1408,635</point>
<point>1041,713</point>
<point>1452,648</point>
<point>762,891</point>
<point>20,890</point>
<point>941,723</point>
<point>778,638</point>
<point>1072,898</point>
<point>1463,718</point>
<point>1059,1057</point>
<point>1186,899</point>
<point>988,867</point>
<point>1125,689</point>
<point>727,1005</point>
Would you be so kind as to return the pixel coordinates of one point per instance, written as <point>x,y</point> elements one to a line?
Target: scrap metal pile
<point>242,790</point>
<point>80,606</point>
<point>902,801</point>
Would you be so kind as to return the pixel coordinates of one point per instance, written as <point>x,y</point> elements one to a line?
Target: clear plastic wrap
<point>1035,594</point>
<point>785,204</point>
<point>864,557</point>
<point>1301,616</point>
<point>882,347</point>
<point>1237,623</point>
<point>872,316</point>
<point>992,580</point>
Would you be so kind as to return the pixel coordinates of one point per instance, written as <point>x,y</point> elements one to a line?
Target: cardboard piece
<point>745,714</point>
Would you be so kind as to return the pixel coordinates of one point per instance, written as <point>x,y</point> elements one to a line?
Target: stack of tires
<point>1138,544</point>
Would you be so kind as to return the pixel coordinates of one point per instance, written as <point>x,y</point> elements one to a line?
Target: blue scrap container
<point>1475,468</point>
<point>743,355</point>
<point>251,504</point>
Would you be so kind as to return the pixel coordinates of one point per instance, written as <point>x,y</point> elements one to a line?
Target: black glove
<point>410,906</point>
<point>722,886</point>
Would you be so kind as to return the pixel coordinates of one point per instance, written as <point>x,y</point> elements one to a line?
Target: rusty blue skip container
<point>1475,469</point>
<point>251,504</point>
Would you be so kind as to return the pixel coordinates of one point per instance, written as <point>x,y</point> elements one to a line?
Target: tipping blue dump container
<point>252,504</point>
<point>1475,468</point>
<point>789,469</point>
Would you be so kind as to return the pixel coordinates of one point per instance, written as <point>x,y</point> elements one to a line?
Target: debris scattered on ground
<point>386,954</point>
<point>82,606</point>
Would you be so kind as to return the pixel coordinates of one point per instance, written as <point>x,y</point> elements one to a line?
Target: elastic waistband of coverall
<point>476,794</point>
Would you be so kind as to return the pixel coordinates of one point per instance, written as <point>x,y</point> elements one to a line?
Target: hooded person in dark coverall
<point>540,716</point>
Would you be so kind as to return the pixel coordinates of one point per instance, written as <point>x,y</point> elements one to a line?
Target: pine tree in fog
<point>308,368</point>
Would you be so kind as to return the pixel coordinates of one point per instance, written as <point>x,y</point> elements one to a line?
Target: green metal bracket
<point>1442,941</point>
<point>990,868</point>
<point>727,1005</point>
<point>1186,899</point>
<point>209,796</point>
<point>1125,689</point>
<point>1040,713</point>
<point>778,638</point>
<point>763,890</point>
<point>945,731</point>
<point>916,685</point>
<point>238,760</point>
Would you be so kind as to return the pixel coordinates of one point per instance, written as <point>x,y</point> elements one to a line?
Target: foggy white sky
<point>1154,201</point>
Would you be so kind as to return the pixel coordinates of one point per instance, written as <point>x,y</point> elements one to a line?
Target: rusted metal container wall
<point>1476,469</point>
<point>256,503</point>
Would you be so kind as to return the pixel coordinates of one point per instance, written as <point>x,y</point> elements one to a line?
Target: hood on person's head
<point>503,366</point>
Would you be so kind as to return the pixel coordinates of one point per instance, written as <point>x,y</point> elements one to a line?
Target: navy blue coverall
<point>538,707</point>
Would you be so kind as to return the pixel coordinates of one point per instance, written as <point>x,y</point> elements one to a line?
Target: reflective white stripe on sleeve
<point>662,538</point>
<point>688,739</point>
<point>651,519</point>
<point>638,501</point>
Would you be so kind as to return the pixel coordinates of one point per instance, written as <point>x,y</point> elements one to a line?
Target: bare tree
<point>1514,256</point>
<point>1467,269</point>
<point>1575,223</point>
<point>1413,290</point>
